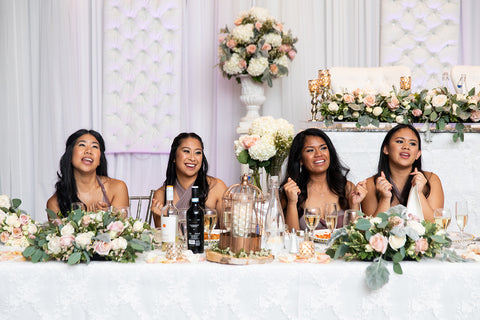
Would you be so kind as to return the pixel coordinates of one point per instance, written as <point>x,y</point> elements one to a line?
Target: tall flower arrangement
<point>266,146</point>
<point>256,46</point>
<point>16,227</point>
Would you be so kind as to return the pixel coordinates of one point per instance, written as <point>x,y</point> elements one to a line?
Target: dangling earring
<point>301,168</point>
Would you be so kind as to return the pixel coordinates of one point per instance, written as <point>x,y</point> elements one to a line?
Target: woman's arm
<point>356,194</point>
<point>372,205</point>
<point>436,197</point>
<point>157,204</point>
<point>292,191</point>
<point>119,193</point>
<point>216,192</point>
<point>52,204</point>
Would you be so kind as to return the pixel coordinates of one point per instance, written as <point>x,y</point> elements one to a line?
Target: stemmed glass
<point>210,220</point>
<point>442,217</point>
<point>312,218</point>
<point>461,216</point>
<point>349,217</point>
<point>331,216</point>
<point>182,227</point>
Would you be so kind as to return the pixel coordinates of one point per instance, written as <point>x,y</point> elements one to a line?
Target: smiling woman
<point>83,176</point>
<point>188,166</point>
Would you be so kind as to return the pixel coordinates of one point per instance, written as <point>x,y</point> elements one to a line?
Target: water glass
<point>461,216</point>
<point>331,216</point>
<point>442,217</point>
<point>350,216</point>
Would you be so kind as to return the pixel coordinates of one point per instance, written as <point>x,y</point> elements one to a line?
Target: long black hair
<point>66,186</point>
<point>336,172</point>
<point>383,165</point>
<point>201,180</point>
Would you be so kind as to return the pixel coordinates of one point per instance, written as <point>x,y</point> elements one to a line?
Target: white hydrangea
<point>262,126</point>
<point>283,61</point>
<point>263,149</point>
<point>274,39</point>
<point>238,147</point>
<point>260,14</point>
<point>232,66</point>
<point>284,128</point>
<point>257,66</point>
<point>243,33</point>
<point>4,201</point>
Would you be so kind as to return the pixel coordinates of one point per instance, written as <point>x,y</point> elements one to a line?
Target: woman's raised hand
<point>291,191</point>
<point>156,207</point>
<point>359,193</point>
<point>383,187</point>
<point>418,180</point>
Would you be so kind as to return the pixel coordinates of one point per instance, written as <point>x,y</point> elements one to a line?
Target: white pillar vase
<point>252,97</point>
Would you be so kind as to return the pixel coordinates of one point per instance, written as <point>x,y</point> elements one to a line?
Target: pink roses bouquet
<point>388,236</point>
<point>16,227</point>
<point>83,236</point>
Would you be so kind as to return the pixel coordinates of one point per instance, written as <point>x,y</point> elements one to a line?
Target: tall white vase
<point>252,97</point>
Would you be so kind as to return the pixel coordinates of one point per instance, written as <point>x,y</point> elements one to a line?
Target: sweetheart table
<point>430,289</point>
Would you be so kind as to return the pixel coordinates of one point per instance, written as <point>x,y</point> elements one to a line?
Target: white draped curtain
<point>51,81</point>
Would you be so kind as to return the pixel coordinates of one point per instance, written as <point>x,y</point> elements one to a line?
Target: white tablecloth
<point>430,289</point>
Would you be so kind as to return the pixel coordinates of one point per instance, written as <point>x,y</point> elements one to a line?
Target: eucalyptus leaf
<point>377,274</point>
<point>412,233</point>
<point>16,203</point>
<point>341,251</point>
<point>397,257</point>
<point>51,214</point>
<point>74,258</point>
<point>37,255</point>
<point>29,251</point>
<point>105,237</point>
<point>439,239</point>
<point>397,268</point>
<point>363,224</point>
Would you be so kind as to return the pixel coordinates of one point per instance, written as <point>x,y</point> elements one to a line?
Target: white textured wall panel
<point>423,35</point>
<point>142,71</point>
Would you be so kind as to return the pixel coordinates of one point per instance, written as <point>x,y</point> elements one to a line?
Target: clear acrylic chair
<point>139,200</point>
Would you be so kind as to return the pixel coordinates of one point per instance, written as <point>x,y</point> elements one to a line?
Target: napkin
<point>414,206</point>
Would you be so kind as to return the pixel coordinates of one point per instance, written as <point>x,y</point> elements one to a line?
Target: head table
<point>430,289</point>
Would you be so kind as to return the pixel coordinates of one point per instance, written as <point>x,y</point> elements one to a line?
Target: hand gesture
<point>418,180</point>
<point>156,207</point>
<point>383,187</point>
<point>291,191</point>
<point>359,193</point>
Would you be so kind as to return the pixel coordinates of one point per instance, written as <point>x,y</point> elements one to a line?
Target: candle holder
<point>313,88</point>
<point>405,82</point>
<point>324,80</point>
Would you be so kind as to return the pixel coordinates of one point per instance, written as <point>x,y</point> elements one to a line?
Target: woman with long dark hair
<point>399,169</point>
<point>188,166</point>
<point>315,176</point>
<point>83,176</point>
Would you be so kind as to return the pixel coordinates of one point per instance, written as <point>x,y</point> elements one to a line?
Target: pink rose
<point>66,240</point>
<point>24,219</point>
<point>17,232</point>
<point>243,64</point>
<point>412,97</point>
<point>475,116</point>
<point>396,221</point>
<point>421,245</point>
<point>284,48</point>
<point>279,27</point>
<point>249,141</point>
<point>357,92</point>
<point>273,68</point>
<point>221,38</point>
<point>4,237</point>
<point>86,220</point>
<point>266,46</point>
<point>393,104</point>
<point>369,100</point>
<point>251,48</point>
<point>473,100</point>
<point>231,43</point>
<point>413,217</point>
<point>102,248</point>
<point>417,112</point>
<point>116,226</point>
<point>258,25</point>
<point>238,21</point>
<point>348,98</point>
<point>292,54</point>
<point>379,243</point>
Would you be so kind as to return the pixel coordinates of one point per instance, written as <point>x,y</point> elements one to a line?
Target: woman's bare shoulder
<point>52,203</point>
<point>217,186</point>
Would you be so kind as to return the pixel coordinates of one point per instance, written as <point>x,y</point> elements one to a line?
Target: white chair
<point>139,200</point>
<point>379,79</point>
<point>472,76</point>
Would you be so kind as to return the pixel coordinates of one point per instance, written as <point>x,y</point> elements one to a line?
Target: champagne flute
<point>312,218</point>
<point>461,216</point>
<point>210,220</point>
<point>331,216</point>
<point>442,217</point>
<point>350,216</point>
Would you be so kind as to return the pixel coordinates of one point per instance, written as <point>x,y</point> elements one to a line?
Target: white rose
<point>340,117</point>
<point>439,100</point>
<point>461,97</point>
<point>54,245</point>
<point>417,226</point>
<point>368,248</point>
<point>13,221</point>
<point>32,228</point>
<point>356,114</point>
<point>138,226</point>
<point>119,244</point>
<point>368,109</point>
<point>83,239</point>
<point>377,111</point>
<point>98,216</point>
<point>4,201</point>
<point>396,242</point>
<point>376,220</point>
<point>399,119</point>
<point>2,216</point>
<point>67,229</point>
<point>333,106</point>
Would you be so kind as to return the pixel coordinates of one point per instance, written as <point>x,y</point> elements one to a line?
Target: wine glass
<point>461,216</point>
<point>350,216</point>
<point>78,206</point>
<point>210,220</point>
<point>331,216</point>
<point>182,227</point>
<point>312,218</point>
<point>442,217</point>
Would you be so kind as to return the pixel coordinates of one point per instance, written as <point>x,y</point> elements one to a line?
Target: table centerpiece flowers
<point>16,227</point>
<point>257,46</point>
<point>84,236</point>
<point>266,146</point>
<point>393,235</point>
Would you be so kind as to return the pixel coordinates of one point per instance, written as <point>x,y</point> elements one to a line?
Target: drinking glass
<point>461,216</point>
<point>331,216</point>
<point>350,216</point>
<point>442,217</point>
<point>182,227</point>
<point>312,218</point>
<point>78,206</point>
<point>210,220</point>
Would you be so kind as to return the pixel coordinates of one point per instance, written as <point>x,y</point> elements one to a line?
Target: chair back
<point>136,203</point>
<point>472,76</point>
<point>380,79</point>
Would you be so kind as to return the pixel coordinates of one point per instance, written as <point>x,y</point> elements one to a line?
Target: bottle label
<point>195,229</point>
<point>169,228</point>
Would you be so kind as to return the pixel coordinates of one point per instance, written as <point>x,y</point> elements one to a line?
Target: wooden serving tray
<point>224,259</point>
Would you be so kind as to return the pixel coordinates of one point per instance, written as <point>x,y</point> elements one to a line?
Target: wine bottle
<point>195,227</point>
<point>169,219</point>
<point>462,84</point>
<point>274,221</point>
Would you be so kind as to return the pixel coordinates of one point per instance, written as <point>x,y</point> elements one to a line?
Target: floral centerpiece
<point>388,236</point>
<point>256,46</point>
<point>16,227</point>
<point>83,236</point>
<point>427,106</point>
<point>266,146</point>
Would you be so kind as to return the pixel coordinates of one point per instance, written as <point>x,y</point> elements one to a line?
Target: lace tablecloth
<point>430,289</point>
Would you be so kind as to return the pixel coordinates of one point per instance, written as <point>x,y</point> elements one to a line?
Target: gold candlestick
<point>405,82</point>
<point>313,86</point>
